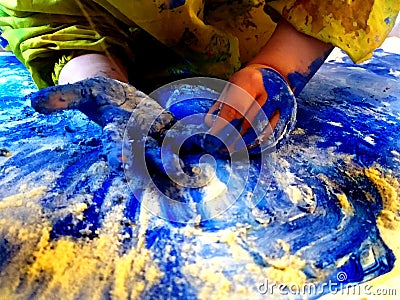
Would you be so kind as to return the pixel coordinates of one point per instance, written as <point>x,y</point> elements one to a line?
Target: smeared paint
<point>298,81</point>
<point>3,41</point>
<point>389,188</point>
<point>304,231</point>
<point>66,266</point>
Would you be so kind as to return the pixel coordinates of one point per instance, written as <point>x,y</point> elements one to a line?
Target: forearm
<point>92,65</point>
<point>293,54</point>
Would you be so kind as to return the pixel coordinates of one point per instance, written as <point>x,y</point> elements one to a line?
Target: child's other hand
<point>110,103</point>
<point>239,107</point>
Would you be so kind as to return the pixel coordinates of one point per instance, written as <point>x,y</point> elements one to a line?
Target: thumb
<point>85,94</point>
<point>56,98</point>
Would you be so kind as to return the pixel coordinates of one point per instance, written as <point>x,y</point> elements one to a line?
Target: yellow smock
<point>211,37</point>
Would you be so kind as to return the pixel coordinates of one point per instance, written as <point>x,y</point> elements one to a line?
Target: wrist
<point>290,52</point>
<point>259,66</point>
<point>91,65</point>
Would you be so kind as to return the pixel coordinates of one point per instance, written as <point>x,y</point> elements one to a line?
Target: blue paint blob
<point>176,3</point>
<point>174,284</point>
<point>3,41</point>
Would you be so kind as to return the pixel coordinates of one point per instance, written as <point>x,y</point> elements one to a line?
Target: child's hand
<point>110,103</point>
<point>234,104</point>
<point>254,110</point>
<point>296,56</point>
<point>105,100</point>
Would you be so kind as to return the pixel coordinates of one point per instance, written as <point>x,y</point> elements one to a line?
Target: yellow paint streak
<point>214,283</point>
<point>287,270</point>
<point>130,269</point>
<point>344,203</point>
<point>66,267</point>
<point>208,276</point>
<point>388,187</point>
<point>22,198</point>
<point>389,227</point>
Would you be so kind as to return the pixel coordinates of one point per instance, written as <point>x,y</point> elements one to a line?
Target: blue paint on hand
<point>280,98</point>
<point>298,81</point>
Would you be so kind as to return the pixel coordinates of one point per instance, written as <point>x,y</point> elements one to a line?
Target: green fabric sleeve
<point>40,40</point>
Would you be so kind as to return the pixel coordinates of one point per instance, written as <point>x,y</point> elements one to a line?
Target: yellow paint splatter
<point>214,283</point>
<point>23,198</point>
<point>344,203</point>
<point>287,270</point>
<point>66,267</point>
<point>389,227</point>
<point>209,274</point>
<point>388,187</point>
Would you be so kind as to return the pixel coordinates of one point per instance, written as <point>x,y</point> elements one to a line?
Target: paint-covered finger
<point>56,98</point>
<point>227,126</point>
<point>250,127</point>
<point>212,113</point>
<point>280,111</point>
